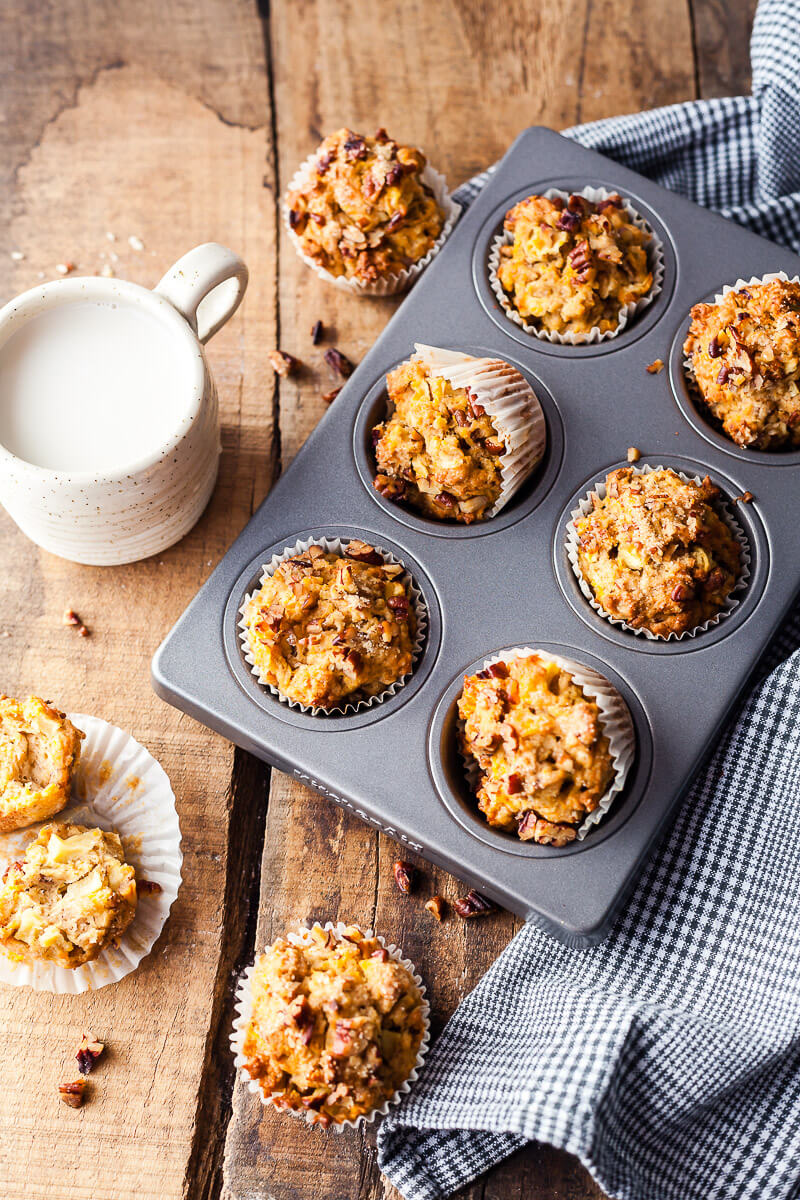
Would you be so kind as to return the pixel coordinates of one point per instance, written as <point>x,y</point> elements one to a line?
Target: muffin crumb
<point>634,454</point>
<point>655,366</point>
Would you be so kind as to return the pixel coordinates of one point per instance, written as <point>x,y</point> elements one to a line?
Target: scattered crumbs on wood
<point>73,1093</point>
<point>330,396</point>
<point>282,363</point>
<point>17,255</point>
<point>634,454</point>
<point>70,617</point>
<point>107,271</point>
<point>436,907</point>
<point>135,242</point>
<point>339,362</point>
<point>745,498</point>
<point>65,268</point>
<point>112,237</point>
<point>317,333</point>
<point>654,367</point>
<point>88,1053</point>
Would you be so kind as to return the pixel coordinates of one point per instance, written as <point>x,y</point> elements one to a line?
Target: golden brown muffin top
<point>656,553</point>
<point>336,1025</point>
<point>745,354</point>
<point>39,751</point>
<point>365,212</point>
<point>572,266</point>
<point>72,895</point>
<point>438,450</point>
<point>539,744</point>
<point>326,626</point>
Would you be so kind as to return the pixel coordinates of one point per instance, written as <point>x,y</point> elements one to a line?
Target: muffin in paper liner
<point>508,399</point>
<point>390,285</point>
<point>688,365</point>
<point>723,509</point>
<point>244,1011</point>
<point>353,703</point>
<point>118,786</point>
<point>616,721</point>
<point>655,258</point>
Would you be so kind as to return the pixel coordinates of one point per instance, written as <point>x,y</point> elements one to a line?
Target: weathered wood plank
<point>722,43</point>
<point>149,121</point>
<point>460,79</point>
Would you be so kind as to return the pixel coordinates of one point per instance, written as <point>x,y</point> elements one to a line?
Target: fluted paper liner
<point>655,259</point>
<point>118,786</point>
<point>389,285</point>
<point>722,508</point>
<point>688,365</point>
<point>508,399</point>
<point>354,703</point>
<point>614,716</point>
<point>244,1012</point>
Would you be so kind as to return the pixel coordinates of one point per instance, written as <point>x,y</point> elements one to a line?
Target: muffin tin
<point>506,582</point>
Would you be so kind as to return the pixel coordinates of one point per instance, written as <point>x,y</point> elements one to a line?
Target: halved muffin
<point>39,752</point>
<point>72,895</point>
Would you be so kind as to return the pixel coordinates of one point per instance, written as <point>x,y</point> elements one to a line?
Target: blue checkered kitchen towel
<point>667,1057</point>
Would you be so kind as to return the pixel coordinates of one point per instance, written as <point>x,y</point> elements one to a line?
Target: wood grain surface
<point>178,123</point>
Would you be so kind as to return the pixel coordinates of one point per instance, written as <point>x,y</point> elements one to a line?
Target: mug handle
<point>206,286</point>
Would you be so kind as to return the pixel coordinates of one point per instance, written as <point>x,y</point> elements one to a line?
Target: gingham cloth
<point>667,1058</point>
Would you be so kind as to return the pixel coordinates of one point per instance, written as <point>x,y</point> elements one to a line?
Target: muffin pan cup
<point>507,581</point>
<point>244,1011</point>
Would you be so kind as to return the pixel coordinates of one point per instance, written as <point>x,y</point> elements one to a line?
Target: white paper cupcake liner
<point>390,284</point>
<point>508,399</point>
<point>723,509</point>
<point>244,1012</point>
<point>688,365</point>
<point>352,704</point>
<point>118,786</point>
<point>614,716</point>
<point>655,258</point>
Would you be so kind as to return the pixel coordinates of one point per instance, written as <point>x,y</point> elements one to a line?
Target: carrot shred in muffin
<point>324,627</point>
<point>365,212</point>
<point>745,355</point>
<point>538,741</point>
<point>438,450</point>
<point>573,266</point>
<point>655,552</point>
<point>336,1027</point>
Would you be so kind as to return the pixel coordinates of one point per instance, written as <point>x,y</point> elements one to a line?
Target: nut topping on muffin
<point>364,212</point>
<point>572,268</point>
<point>325,627</point>
<point>539,744</point>
<point>655,552</point>
<point>745,356</point>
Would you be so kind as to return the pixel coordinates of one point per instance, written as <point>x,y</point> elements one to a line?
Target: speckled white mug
<point>107,517</point>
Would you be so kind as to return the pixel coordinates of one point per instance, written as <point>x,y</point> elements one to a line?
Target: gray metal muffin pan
<point>506,582</point>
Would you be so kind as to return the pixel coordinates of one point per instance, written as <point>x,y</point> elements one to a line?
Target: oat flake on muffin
<point>655,552</point>
<point>365,212</point>
<point>324,627</point>
<point>572,267</point>
<point>336,1025</point>
<point>538,742</point>
<point>745,358</point>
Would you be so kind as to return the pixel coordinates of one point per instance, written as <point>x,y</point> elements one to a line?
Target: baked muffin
<point>336,1026</point>
<point>655,552</point>
<point>325,627</point>
<point>538,742</point>
<point>39,751</point>
<point>438,451</point>
<point>363,211</point>
<point>745,356</point>
<point>571,267</point>
<point>71,896</point>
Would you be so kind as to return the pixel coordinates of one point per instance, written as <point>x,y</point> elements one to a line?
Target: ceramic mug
<point>149,490</point>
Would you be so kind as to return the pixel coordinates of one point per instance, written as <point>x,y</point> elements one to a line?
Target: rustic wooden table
<point>178,123</point>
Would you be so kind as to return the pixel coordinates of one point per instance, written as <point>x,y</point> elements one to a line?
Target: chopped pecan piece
<point>88,1053</point>
<point>283,364</point>
<point>73,1093</point>
<point>436,907</point>
<point>338,362</point>
<point>498,670</point>
<point>494,448</point>
<point>317,333</point>
<point>148,887</point>
<point>361,552</point>
<point>330,396</point>
<point>404,873</point>
<point>355,147</point>
<point>445,499</point>
<point>745,498</point>
<point>473,905</point>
